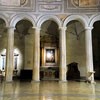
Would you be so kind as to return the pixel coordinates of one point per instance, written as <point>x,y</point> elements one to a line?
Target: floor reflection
<point>49,90</point>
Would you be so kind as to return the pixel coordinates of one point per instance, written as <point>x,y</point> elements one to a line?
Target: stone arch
<point>76,17</point>
<point>93,19</point>
<point>19,17</point>
<point>73,44</point>
<point>44,18</point>
<point>94,23</point>
<point>5,19</point>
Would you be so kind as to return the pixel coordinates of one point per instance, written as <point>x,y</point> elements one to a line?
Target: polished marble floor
<point>49,90</point>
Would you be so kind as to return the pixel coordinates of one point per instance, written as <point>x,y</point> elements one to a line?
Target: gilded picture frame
<point>50,56</point>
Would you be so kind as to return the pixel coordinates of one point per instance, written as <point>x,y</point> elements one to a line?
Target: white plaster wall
<point>19,49</point>
<point>29,44</point>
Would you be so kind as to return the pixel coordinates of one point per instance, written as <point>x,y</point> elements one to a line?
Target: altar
<point>49,73</point>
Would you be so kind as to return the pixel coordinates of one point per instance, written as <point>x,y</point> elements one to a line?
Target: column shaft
<point>89,54</point>
<point>62,46</point>
<point>9,55</point>
<point>36,68</point>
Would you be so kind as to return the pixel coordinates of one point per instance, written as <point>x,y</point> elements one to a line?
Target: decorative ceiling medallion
<point>13,2</point>
<point>86,3</point>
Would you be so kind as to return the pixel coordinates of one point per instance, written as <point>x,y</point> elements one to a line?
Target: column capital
<point>10,27</point>
<point>10,30</point>
<point>38,28</point>
<point>63,28</point>
<point>88,28</point>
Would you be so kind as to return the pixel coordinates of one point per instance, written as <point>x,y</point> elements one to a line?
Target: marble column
<point>89,54</point>
<point>10,55</point>
<point>62,47</point>
<point>36,67</point>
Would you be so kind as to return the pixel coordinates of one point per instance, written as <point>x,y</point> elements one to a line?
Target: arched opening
<point>75,43</point>
<point>3,45</point>
<point>23,49</point>
<point>96,48</point>
<point>49,50</point>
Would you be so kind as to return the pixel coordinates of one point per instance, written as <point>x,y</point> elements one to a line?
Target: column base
<point>33,81</point>
<point>60,81</point>
<point>8,81</point>
<point>91,82</point>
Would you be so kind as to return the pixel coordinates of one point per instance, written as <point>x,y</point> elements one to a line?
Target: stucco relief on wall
<point>13,2</point>
<point>50,5</point>
<point>86,3</point>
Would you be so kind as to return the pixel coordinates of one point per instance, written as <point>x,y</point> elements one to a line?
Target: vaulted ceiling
<point>49,31</point>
